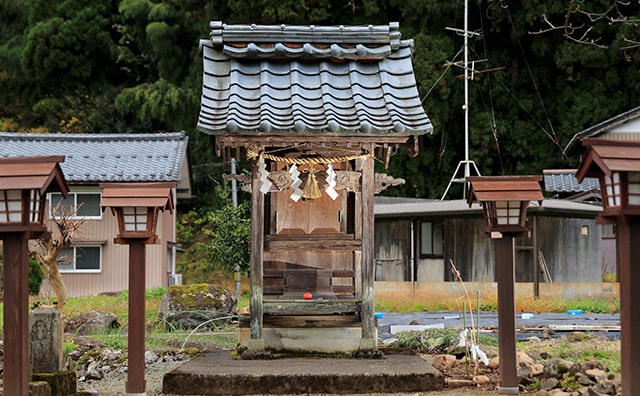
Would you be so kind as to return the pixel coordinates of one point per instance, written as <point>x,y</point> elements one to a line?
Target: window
<point>87,205</point>
<point>608,231</point>
<point>431,239</point>
<point>82,258</point>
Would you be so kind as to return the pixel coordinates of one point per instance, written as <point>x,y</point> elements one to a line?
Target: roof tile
<point>341,79</point>
<point>156,157</point>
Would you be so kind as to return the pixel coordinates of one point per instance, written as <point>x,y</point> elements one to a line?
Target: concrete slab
<point>221,373</point>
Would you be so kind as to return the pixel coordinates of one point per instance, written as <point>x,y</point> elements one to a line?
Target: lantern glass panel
<point>633,180</point>
<point>10,206</point>
<point>135,218</point>
<point>508,212</point>
<point>35,207</point>
<point>486,207</point>
<point>612,188</point>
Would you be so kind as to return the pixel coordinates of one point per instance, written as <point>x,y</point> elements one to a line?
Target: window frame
<point>432,253</point>
<point>75,204</point>
<point>75,255</point>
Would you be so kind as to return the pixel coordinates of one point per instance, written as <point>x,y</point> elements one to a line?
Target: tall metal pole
<point>16,314</point>
<point>136,383</point>
<point>466,94</point>
<point>466,164</point>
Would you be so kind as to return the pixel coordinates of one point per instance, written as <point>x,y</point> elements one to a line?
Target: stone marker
<point>45,352</point>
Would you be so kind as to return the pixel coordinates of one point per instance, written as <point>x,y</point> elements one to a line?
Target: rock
<point>542,393</point>
<point>605,388</point>
<point>414,323</point>
<point>523,359</point>
<point>150,357</point>
<point>443,362</point>
<point>455,349</point>
<point>584,380</point>
<point>481,380</point>
<point>596,374</point>
<point>583,366</point>
<point>548,383</point>
<point>189,306</point>
<point>91,322</point>
<point>536,369</point>
<point>459,383</point>
<point>556,368</point>
<point>494,362</point>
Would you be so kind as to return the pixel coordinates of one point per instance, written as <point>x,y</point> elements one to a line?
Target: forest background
<point>553,68</point>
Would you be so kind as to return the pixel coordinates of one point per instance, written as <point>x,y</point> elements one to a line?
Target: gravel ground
<point>113,384</point>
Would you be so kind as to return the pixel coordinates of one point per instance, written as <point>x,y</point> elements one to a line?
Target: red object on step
<point>307,296</point>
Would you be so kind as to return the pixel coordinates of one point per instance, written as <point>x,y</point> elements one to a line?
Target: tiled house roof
<point>338,80</point>
<point>94,158</point>
<point>564,181</point>
<point>625,126</point>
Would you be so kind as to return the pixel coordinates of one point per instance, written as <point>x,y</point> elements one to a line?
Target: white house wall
<point>114,276</point>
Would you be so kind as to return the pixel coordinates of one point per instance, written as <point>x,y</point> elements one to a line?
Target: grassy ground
<point>159,337</point>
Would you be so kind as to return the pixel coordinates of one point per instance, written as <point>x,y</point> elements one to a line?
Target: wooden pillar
<point>368,341</point>
<point>136,383</point>
<point>256,341</point>
<point>16,314</point>
<point>505,277</point>
<point>628,238</point>
<point>536,267</point>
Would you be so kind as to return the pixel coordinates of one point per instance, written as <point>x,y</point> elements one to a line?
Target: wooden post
<point>16,314</point>
<point>136,383</point>
<point>368,341</point>
<point>505,276</point>
<point>536,267</point>
<point>628,238</point>
<point>256,341</point>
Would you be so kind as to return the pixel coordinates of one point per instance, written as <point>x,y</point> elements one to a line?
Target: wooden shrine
<point>313,108</point>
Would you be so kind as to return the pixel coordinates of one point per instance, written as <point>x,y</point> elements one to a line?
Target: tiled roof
<point>574,144</point>
<point>354,80</point>
<point>97,158</point>
<point>564,181</point>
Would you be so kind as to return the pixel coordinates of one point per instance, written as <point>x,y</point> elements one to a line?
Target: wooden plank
<point>257,253</point>
<point>312,306</point>
<point>296,245</point>
<point>353,144</point>
<point>311,321</point>
<point>368,320</point>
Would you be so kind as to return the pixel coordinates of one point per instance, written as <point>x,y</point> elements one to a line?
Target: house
<point>312,107</point>
<point>416,240</point>
<point>94,263</point>
<point>562,184</point>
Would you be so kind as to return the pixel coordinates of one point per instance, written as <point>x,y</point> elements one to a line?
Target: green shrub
<point>35,277</point>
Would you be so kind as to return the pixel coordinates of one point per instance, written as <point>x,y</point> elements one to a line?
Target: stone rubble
<point>548,377</point>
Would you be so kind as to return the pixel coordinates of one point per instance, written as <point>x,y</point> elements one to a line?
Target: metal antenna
<point>467,164</point>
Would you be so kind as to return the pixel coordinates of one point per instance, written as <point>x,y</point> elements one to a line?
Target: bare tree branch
<point>579,23</point>
<point>48,252</point>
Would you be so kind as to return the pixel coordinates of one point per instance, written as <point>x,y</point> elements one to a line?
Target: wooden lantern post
<point>504,201</point>
<point>617,165</point>
<point>24,184</point>
<point>136,206</point>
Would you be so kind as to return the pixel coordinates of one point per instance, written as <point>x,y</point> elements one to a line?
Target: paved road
<point>488,320</point>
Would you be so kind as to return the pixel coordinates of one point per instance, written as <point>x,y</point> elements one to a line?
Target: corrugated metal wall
<point>572,249</point>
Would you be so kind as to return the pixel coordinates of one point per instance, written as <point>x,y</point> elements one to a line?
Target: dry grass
<point>422,300</point>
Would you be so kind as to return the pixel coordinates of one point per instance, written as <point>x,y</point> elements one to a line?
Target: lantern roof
<point>504,188</point>
<point>608,156</point>
<point>33,173</point>
<point>119,195</point>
